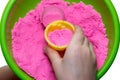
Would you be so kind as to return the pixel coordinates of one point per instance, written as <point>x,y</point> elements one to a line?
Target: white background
<point>114,71</point>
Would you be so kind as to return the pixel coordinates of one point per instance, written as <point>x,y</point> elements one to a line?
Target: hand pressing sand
<point>78,63</point>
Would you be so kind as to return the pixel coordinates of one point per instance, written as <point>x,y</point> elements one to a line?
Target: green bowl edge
<point>105,68</point>
<point>24,76</point>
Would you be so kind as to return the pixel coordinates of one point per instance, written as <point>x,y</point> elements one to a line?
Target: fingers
<point>53,56</point>
<point>78,37</point>
<point>75,44</point>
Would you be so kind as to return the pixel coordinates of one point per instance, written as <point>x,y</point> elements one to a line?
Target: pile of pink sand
<point>28,37</point>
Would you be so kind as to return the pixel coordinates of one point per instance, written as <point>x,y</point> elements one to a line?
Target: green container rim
<point>24,76</point>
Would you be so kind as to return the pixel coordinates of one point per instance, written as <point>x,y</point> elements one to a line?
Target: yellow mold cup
<point>57,25</point>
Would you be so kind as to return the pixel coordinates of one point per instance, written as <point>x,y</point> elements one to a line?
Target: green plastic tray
<point>19,8</point>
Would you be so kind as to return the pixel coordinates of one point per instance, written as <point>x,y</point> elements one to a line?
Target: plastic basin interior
<point>18,8</point>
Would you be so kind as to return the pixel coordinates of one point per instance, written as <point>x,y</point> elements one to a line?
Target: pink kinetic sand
<point>28,37</point>
<point>60,37</point>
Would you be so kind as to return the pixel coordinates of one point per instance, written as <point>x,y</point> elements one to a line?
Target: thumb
<point>54,57</point>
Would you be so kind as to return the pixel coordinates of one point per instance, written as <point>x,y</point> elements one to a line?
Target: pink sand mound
<point>28,37</point>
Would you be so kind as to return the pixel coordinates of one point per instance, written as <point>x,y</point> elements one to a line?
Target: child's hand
<point>7,74</point>
<point>78,63</point>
